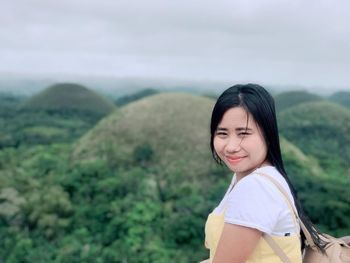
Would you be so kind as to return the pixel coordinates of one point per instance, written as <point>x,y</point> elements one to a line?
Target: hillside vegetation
<point>60,113</point>
<point>136,187</point>
<point>320,129</point>
<point>341,97</point>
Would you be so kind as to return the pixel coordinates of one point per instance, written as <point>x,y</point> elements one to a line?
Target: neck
<point>239,176</point>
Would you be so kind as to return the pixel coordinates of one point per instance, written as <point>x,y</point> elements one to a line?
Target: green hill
<point>341,97</point>
<point>320,129</point>
<point>292,98</point>
<point>67,97</point>
<point>60,113</point>
<point>173,126</point>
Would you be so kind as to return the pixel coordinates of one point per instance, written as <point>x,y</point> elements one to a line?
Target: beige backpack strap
<point>307,234</point>
<point>276,248</point>
<point>291,207</point>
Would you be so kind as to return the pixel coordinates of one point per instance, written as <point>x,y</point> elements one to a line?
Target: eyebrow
<point>237,129</point>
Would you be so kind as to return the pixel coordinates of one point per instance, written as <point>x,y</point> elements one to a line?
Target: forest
<point>84,178</point>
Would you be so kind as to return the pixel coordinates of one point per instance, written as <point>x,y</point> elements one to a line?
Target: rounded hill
<point>172,127</point>
<point>320,129</point>
<point>69,97</point>
<point>292,98</point>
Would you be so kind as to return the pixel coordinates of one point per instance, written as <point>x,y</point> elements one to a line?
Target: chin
<point>235,169</point>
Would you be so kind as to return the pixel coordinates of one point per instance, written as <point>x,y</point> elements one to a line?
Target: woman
<point>244,136</point>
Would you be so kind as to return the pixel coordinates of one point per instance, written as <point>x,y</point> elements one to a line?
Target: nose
<point>233,145</point>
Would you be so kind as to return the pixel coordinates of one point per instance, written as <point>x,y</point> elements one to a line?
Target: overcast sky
<point>301,42</point>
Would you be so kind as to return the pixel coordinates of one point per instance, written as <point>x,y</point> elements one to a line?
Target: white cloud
<point>276,41</point>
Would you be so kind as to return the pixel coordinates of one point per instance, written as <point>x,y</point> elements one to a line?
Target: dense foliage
<point>320,129</point>
<point>136,188</point>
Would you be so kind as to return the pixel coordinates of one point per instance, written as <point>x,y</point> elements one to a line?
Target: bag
<point>337,249</point>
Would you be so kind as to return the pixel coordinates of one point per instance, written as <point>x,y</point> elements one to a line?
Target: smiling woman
<point>244,136</point>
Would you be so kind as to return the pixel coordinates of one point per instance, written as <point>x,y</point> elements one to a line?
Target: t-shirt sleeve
<point>254,202</point>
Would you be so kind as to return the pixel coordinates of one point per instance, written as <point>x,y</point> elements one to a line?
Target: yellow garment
<point>263,253</point>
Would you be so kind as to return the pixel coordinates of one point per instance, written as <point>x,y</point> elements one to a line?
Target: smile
<point>234,160</point>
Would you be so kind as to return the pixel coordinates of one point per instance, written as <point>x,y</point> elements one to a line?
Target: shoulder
<point>255,188</point>
<point>255,202</point>
<point>255,181</point>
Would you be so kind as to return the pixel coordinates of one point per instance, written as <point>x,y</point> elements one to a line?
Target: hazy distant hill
<point>341,97</point>
<point>135,96</point>
<point>67,97</point>
<point>292,98</point>
<point>321,129</point>
<point>60,113</point>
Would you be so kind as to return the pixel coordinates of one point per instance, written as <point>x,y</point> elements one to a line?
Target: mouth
<point>234,159</point>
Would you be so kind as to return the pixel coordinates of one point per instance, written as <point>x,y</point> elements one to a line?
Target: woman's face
<point>239,142</point>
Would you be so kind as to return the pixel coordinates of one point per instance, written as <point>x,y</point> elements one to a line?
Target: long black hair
<point>254,99</point>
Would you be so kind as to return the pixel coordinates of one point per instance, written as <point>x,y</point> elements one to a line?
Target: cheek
<point>262,146</point>
<point>217,145</point>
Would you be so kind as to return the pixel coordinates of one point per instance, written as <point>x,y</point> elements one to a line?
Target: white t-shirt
<point>256,202</point>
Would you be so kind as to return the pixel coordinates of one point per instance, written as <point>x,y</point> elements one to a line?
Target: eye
<point>220,133</point>
<point>244,133</point>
